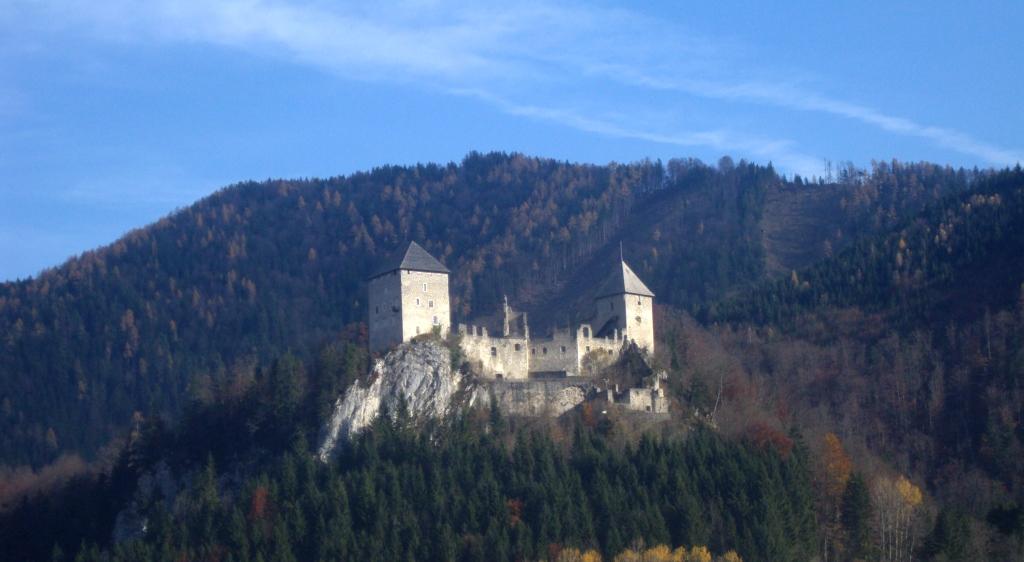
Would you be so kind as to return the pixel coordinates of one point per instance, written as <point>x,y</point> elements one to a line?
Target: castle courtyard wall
<point>557,353</point>
<point>507,357</point>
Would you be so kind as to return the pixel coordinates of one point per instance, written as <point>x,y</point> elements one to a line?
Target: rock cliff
<point>418,373</point>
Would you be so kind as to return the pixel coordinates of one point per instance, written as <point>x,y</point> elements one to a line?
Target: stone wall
<point>385,302</point>
<point>555,354</point>
<point>405,304</point>
<point>537,398</point>
<point>425,303</point>
<point>495,357</point>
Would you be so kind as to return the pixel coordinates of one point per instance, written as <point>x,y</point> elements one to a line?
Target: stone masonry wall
<point>385,311</point>
<point>425,303</point>
<point>494,356</point>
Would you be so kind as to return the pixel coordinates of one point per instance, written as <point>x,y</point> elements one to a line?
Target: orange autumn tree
<point>835,470</point>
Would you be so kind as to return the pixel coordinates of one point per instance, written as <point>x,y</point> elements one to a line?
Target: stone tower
<point>408,296</point>
<point>625,304</point>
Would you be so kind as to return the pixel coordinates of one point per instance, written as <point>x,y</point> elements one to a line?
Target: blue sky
<point>113,114</point>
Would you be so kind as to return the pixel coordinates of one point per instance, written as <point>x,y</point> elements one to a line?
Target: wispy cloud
<point>501,55</point>
<point>787,96</point>
<point>781,152</point>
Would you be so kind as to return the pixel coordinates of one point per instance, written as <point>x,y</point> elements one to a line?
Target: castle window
<point>424,287</point>
<point>563,349</point>
<point>609,352</point>
<point>494,352</point>
<point>430,304</point>
<point>533,350</point>
<point>638,320</point>
<point>518,347</point>
<point>435,321</point>
<point>639,301</point>
<point>544,350</point>
<point>588,349</point>
<point>586,332</point>
<point>417,302</point>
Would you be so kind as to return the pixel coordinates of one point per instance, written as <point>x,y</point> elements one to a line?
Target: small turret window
<point>563,349</point>
<point>494,352</point>
<point>544,350</point>
<point>518,347</point>
<point>435,321</point>
<point>424,287</point>
<point>417,302</point>
<point>430,304</point>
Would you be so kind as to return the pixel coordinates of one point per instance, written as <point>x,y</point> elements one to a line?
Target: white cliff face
<point>419,373</point>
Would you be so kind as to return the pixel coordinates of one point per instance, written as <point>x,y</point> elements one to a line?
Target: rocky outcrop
<point>416,375</point>
<point>156,485</point>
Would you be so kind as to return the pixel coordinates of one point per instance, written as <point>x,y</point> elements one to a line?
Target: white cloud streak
<point>496,55</point>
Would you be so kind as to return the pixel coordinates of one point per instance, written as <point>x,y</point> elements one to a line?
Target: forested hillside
<point>260,268</point>
<point>845,359</point>
<point>245,486</point>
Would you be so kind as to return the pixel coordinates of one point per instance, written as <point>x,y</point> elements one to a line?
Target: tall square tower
<point>408,296</point>
<point>625,304</point>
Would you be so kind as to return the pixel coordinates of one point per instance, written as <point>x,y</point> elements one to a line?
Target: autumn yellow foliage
<point>662,553</point>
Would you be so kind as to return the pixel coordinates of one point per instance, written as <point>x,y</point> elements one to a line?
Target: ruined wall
<point>595,353</point>
<point>537,398</point>
<point>554,354</point>
<point>495,356</point>
<point>647,400</point>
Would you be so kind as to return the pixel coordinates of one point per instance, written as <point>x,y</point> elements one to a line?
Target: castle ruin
<point>408,296</point>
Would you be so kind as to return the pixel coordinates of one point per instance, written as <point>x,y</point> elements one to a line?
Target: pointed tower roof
<point>623,280</point>
<point>414,258</point>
